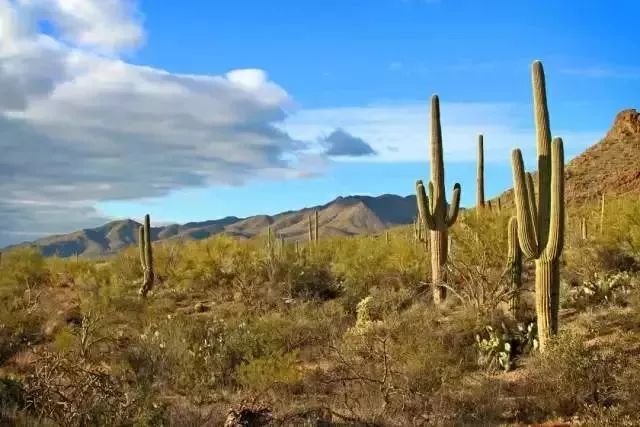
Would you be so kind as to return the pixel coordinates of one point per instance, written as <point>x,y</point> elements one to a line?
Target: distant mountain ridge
<point>344,216</point>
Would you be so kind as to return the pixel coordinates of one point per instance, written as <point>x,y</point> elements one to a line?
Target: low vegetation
<point>340,331</point>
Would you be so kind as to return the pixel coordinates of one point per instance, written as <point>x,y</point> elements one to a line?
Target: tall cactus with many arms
<point>146,256</point>
<point>435,214</point>
<point>541,225</point>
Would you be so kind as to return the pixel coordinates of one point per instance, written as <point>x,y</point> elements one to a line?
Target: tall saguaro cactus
<point>541,222</point>
<point>146,256</point>
<point>435,213</point>
<point>480,176</point>
<point>317,230</point>
<point>514,266</point>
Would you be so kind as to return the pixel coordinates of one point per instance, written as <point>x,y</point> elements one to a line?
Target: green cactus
<point>514,266</point>
<point>317,233</point>
<point>602,205</point>
<point>146,256</point>
<point>435,213</point>
<point>480,176</point>
<point>541,225</point>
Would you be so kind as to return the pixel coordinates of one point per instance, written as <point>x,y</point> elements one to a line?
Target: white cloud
<point>604,72</point>
<point>77,127</point>
<point>107,25</point>
<point>400,132</point>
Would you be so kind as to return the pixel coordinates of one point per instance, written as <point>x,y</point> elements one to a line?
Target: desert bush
<point>12,396</point>
<point>64,390</point>
<point>25,267</point>
<point>569,377</point>
<point>274,373</point>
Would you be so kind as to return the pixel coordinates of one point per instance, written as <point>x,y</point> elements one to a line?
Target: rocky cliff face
<point>611,166</point>
<point>626,124</point>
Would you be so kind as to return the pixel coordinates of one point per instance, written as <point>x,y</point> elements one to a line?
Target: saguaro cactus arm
<point>531,192</point>
<point>424,208</point>
<point>141,244</point>
<point>527,233</point>
<point>555,240</point>
<point>454,207</point>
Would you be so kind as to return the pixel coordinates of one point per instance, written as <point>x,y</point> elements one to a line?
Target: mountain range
<point>344,216</point>
<point>611,166</point>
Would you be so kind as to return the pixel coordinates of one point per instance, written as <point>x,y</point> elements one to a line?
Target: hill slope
<point>611,166</point>
<point>343,216</point>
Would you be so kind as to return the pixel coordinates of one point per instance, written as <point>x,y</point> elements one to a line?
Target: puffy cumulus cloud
<point>342,143</point>
<point>77,127</point>
<point>106,25</point>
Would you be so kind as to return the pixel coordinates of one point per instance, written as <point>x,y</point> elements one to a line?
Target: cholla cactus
<point>146,256</point>
<point>541,221</point>
<point>435,213</point>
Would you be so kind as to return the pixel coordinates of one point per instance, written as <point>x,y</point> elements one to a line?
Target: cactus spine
<point>514,266</point>
<point>146,256</point>
<point>541,227</point>
<point>434,212</point>
<point>480,176</point>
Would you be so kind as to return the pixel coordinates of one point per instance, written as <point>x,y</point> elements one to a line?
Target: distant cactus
<point>514,266</point>
<point>310,230</point>
<point>435,214</point>
<point>317,233</point>
<point>602,215</point>
<point>480,176</point>
<point>584,232</point>
<point>146,257</point>
<point>541,224</point>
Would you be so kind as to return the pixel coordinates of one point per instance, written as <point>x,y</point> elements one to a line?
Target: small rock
<point>248,416</point>
<point>201,307</point>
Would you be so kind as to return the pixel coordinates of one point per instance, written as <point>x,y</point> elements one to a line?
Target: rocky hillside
<point>611,166</point>
<point>343,216</point>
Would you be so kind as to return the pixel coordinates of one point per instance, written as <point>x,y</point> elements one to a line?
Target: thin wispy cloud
<point>604,72</point>
<point>399,132</point>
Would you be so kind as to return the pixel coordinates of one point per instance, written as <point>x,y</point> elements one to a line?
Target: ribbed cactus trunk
<point>317,233</point>
<point>602,205</point>
<point>435,214</point>
<point>514,266</point>
<point>541,222</point>
<point>480,176</point>
<point>146,257</point>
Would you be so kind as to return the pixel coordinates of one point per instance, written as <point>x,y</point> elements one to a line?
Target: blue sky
<point>138,74</point>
